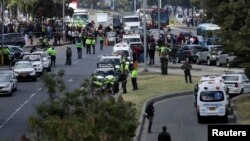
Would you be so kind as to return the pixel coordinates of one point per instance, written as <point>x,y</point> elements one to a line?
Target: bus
<point>207,33</point>
<point>164,18</point>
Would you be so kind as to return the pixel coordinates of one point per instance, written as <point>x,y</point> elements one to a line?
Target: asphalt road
<point>15,110</point>
<point>179,115</point>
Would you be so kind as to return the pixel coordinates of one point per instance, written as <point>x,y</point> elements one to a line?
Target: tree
<point>79,116</point>
<point>234,18</point>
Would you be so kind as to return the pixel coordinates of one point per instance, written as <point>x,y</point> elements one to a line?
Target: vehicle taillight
<point>236,85</point>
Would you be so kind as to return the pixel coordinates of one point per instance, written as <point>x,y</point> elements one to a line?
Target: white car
<point>224,59</point>
<point>8,82</point>
<point>45,59</point>
<point>212,100</point>
<point>24,70</point>
<point>36,60</point>
<point>238,83</point>
<point>114,59</point>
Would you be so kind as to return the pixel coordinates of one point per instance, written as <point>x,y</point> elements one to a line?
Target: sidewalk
<point>36,41</point>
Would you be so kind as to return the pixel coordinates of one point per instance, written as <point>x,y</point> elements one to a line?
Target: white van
<point>122,49</point>
<point>212,100</point>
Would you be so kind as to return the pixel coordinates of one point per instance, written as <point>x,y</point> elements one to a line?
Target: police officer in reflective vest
<point>79,47</point>
<point>101,39</point>
<point>93,44</point>
<point>88,45</point>
<point>124,74</point>
<point>164,51</point>
<point>134,75</point>
<point>52,53</point>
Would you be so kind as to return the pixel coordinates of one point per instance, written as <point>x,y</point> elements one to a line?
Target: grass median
<point>242,104</point>
<point>154,84</point>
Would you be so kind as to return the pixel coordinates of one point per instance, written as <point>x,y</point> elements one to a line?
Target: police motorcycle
<point>43,42</point>
<point>105,79</point>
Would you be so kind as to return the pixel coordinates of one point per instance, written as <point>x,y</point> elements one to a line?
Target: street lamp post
<point>159,15</point>
<point>2,16</point>
<point>63,8</point>
<point>145,36</point>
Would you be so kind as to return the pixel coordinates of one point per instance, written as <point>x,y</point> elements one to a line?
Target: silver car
<point>8,82</point>
<point>224,59</point>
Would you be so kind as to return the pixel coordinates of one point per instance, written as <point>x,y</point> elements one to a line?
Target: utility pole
<point>134,6</point>
<point>63,7</point>
<point>145,36</point>
<point>159,16</point>
<point>2,44</point>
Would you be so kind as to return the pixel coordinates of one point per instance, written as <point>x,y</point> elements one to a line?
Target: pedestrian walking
<point>68,56</point>
<point>101,39</point>
<point>93,44</point>
<point>164,135</point>
<point>88,45</point>
<point>79,47</point>
<point>150,115</point>
<point>134,75</point>
<point>187,68</point>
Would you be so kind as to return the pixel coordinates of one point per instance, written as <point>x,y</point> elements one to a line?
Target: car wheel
<point>242,91</point>
<point>225,119</point>
<point>48,69</point>
<point>227,63</point>
<point>15,89</point>
<point>218,63</point>
<point>198,61</point>
<point>208,61</point>
<point>200,119</point>
<point>34,79</point>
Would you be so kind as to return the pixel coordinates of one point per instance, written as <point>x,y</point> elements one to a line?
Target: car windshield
<point>211,96</point>
<point>23,65</point>
<point>131,40</point>
<point>4,78</point>
<point>111,34</point>
<point>216,49</point>
<point>32,57</point>
<point>230,78</point>
<point>116,61</point>
<point>122,53</point>
<point>135,19</point>
<point>105,73</point>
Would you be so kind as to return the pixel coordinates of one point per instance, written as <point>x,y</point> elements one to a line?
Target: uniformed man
<point>93,44</point>
<point>6,55</point>
<point>68,56</point>
<point>187,68</point>
<point>88,45</point>
<point>101,39</point>
<point>134,74</point>
<point>79,47</point>
<point>52,53</point>
<point>164,54</point>
<point>124,75</point>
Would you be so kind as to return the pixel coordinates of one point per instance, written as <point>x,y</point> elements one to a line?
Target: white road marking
<point>19,108</point>
<point>70,80</point>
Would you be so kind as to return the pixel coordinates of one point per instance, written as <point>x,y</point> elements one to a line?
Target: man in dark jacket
<point>68,56</point>
<point>164,135</point>
<point>150,115</point>
<point>187,68</point>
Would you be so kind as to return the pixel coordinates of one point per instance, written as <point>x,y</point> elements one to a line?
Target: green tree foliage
<point>79,116</point>
<point>234,18</point>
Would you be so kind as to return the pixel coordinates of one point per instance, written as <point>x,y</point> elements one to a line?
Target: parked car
<point>13,39</point>
<point>24,70</point>
<point>16,52</point>
<point>188,52</point>
<point>45,59</point>
<point>8,82</point>
<point>36,60</point>
<point>236,82</point>
<point>112,38</point>
<point>224,59</point>
<point>208,54</point>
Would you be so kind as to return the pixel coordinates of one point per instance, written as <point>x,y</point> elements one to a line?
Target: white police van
<point>212,100</point>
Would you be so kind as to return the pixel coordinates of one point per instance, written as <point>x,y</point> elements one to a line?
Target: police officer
<point>134,74</point>
<point>124,74</point>
<point>6,55</point>
<point>164,59</point>
<point>52,53</point>
<point>79,47</point>
<point>150,115</point>
<point>68,56</point>
<point>101,39</point>
<point>93,44</point>
<point>187,68</point>
<point>88,45</point>
<point>164,135</point>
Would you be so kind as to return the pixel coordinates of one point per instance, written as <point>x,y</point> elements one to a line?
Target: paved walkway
<point>36,40</point>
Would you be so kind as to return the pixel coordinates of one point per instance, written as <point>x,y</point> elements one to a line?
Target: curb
<point>154,99</point>
<point>235,113</point>
<point>184,27</point>
<point>62,44</point>
<point>177,67</point>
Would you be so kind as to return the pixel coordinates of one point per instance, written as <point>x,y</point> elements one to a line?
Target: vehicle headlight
<point>6,86</point>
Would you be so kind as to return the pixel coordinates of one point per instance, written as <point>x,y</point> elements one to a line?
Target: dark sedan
<point>188,52</point>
